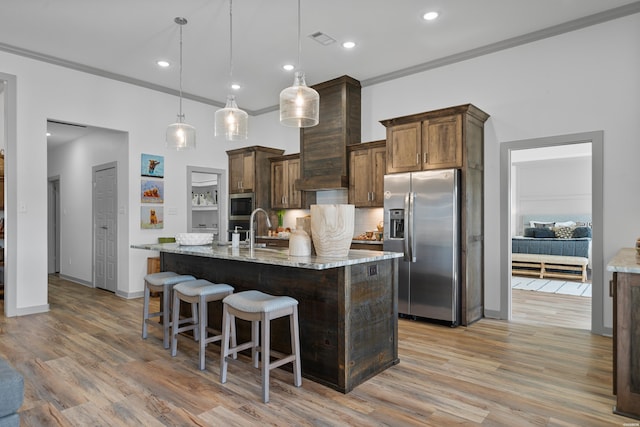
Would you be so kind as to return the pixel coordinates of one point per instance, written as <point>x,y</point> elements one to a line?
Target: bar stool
<point>260,308</point>
<point>199,293</point>
<point>160,282</point>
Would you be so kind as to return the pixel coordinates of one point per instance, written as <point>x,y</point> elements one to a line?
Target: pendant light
<point>299,104</point>
<point>231,121</point>
<point>181,136</point>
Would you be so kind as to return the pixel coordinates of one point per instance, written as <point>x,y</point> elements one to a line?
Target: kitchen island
<point>348,311</point>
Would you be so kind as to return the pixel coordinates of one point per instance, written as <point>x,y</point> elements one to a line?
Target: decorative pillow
<point>543,233</point>
<point>565,224</point>
<point>583,224</point>
<point>542,224</point>
<point>529,232</point>
<point>563,232</point>
<point>580,232</point>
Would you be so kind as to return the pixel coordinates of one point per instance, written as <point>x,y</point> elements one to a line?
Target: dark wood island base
<point>348,315</point>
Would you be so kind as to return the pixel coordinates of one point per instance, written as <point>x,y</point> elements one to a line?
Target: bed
<point>553,246</point>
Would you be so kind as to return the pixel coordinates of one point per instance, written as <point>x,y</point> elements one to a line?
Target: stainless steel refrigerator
<point>422,220</point>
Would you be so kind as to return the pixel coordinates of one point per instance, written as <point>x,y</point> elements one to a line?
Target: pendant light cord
<point>230,42</point>
<point>299,42</point>
<point>181,22</point>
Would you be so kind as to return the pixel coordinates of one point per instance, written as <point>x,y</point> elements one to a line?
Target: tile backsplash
<point>366,219</point>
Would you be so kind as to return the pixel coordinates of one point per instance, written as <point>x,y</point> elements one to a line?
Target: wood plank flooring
<point>85,364</point>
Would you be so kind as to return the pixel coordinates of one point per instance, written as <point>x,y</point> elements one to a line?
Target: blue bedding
<point>565,247</point>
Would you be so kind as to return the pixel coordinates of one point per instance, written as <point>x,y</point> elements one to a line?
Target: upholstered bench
<point>543,266</point>
<point>11,395</point>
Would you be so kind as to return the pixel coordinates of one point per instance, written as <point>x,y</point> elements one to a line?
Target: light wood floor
<point>545,309</point>
<point>85,364</point>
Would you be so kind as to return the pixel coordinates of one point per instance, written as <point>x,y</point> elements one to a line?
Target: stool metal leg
<point>202,322</point>
<point>145,310</point>
<point>166,314</point>
<point>175,322</point>
<point>295,347</point>
<point>226,330</point>
<point>266,354</point>
<point>255,348</point>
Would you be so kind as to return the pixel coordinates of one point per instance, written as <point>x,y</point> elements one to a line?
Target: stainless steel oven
<point>241,205</point>
<point>240,208</point>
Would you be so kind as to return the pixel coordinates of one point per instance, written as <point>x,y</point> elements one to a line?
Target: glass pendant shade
<point>231,121</point>
<point>299,104</point>
<point>181,136</point>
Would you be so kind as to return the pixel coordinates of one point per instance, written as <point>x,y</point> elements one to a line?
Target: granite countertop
<point>273,256</point>
<point>366,242</point>
<point>625,261</point>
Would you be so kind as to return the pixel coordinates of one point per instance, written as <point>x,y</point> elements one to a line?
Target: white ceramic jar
<point>299,243</point>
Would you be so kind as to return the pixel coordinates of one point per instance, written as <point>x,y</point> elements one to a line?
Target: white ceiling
<point>122,39</point>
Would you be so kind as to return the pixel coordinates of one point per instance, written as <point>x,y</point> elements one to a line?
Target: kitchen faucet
<point>252,233</point>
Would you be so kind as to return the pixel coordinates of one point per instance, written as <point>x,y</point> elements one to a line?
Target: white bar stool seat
<point>199,293</point>
<point>260,308</point>
<point>160,282</point>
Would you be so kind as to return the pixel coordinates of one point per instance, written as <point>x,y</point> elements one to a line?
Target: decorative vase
<point>332,229</point>
<point>299,243</point>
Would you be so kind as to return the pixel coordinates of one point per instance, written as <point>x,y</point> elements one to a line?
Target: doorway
<point>596,140</point>
<point>105,226</point>
<point>206,201</point>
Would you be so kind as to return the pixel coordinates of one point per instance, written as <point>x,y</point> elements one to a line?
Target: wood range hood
<point>324,162</point>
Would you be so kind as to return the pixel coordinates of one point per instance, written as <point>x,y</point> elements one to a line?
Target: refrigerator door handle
<point>407,230</point>
<point>409,244</point>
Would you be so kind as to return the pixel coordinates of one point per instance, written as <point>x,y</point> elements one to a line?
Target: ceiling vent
<point>322,38</point>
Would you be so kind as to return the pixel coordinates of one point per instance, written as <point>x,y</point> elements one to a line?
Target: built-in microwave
<point>241,205</point>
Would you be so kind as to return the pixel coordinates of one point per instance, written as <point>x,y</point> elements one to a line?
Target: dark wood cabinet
<point>441,139</point>
<point>2,183</point>
<point>626,333</point>
<point>442,142</point>
<point>242,171</point>
<point>366,173</point>
<point>250,172</point>
<point>323,155</point>
<point>425,143</point>
<point>285,171</point>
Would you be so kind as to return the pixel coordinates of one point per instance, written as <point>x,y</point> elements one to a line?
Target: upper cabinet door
<point>379,168</point>
<point>242,172</point>
<point>294,197</point>
<point>360,178</point>
<point>442,142</point>
<point>278,184</point>
<point>404,148</point>
<point>366,174</point>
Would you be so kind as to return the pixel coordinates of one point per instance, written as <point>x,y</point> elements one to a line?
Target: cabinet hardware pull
<point>612,288</point>
<point>425,157</point>
<point>417,158</point>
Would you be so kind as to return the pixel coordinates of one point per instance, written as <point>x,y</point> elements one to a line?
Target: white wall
<point>581,81</point>
<point>550,187</point>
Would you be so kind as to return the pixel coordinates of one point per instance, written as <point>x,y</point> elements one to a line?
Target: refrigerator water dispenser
<point>396,222</point>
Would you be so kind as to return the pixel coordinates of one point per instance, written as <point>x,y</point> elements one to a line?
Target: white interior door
<point>105,255</point>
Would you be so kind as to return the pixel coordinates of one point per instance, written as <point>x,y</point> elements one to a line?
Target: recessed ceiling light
<point>348,45</point>
<point>162,63</point>
<point>235,86</point>
<point>48,133</point>
<point>288,67</point>
<point>430,16</point>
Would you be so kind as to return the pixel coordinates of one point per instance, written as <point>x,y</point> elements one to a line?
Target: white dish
<point>194,239</point>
